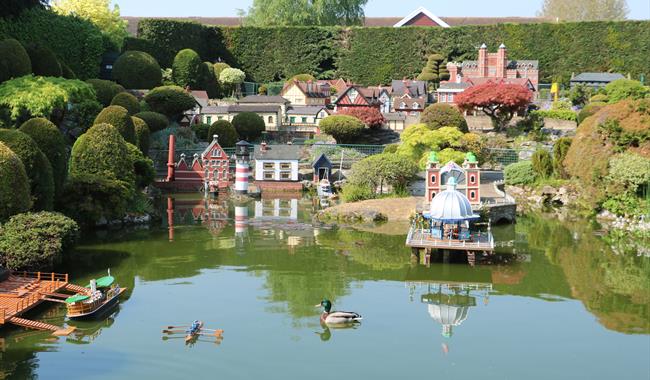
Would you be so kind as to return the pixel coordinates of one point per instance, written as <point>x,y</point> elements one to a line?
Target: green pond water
<point>565,306</point>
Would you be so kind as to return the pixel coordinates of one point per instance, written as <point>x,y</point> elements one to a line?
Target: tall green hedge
<point>76,42</point>
<point>377,55</point>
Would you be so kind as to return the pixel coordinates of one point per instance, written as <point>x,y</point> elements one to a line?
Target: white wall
<point>259,170</point>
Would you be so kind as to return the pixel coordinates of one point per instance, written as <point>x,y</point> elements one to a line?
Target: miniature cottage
<point>276,162</point>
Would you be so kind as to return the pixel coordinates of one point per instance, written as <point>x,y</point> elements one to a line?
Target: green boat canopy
<point>103,282</point>
<point>76,298</point>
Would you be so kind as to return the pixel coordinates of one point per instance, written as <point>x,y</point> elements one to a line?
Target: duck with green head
<point>336,317</point>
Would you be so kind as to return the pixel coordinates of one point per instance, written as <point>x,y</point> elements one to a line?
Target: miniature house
<point>467,177</point>
<point>209,171</point>
<point>276,162</point>
<point>322,168</point>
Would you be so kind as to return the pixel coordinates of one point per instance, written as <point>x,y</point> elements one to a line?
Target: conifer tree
<point>435,70</point>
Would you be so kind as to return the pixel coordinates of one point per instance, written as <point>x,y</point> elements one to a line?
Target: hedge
<point>137,70</point>
<point>52,143</point>
<point>128,101</point>
<point>520,173</point>
<point>37,166</point>
<point>77,42</point>
<point>14,184</point>
<point>118,117</point>
<point>14,60</point>
<point>377,55</point>
<point>557,114</point>
<point>155,121</point>
<point>36,241</point>
<point>44,61</point>
<point>102,151</point>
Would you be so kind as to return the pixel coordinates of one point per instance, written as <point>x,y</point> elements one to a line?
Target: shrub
<point>37,166</point>
<point>219,67</point>
<point>44,62</point>
<point>232,78</point>
<point>440,115</point>
<point>137,70</point>
<point>263,90</point>
<point>51,142</point>
<point>102,151</point>
<point>89,197</point>
<point>561,105</point>
<point>36,241</point>
<point>105,90</point>
<point>249,125</point>
<point>598,98</point>
<point>170,101</point>
<point>561,114</point>
<point>560,150</point>
<point>301,78</point>
<point>49,97</point>
<point>127,101</point>
<point>625,89</point>
<point>371,117</point>
<point>142,134</point>
<point>142,167</point>
<point>391,148</point>
<point>449,154</point>
<point>185,69</point>
<point>356,192</point>
<point>14,60</point>
<point>119,118</point>
<point>80,117</point>
<point>155,121</point>
<point>629,173</point>
<point>67,72</point>
<point>542,163</point>
<point>227,133</point>
<point>207,80</point>
<point>201,130</point>
<point>383,169</point>
<point>520,173</point>
<point>343,128</point>
<point>589,110</point>
<point>14,184</point>
<point>580,95</point>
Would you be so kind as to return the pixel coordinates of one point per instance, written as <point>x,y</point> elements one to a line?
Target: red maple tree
<point>370,116</point>
<point>500,101</point>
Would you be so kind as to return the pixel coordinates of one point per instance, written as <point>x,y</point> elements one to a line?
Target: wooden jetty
<point>424,239</point>
<point>22,291</point>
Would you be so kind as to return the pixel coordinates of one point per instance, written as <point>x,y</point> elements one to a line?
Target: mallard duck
<point>336,317</point>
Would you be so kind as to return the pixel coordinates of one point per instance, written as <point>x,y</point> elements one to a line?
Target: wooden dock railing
<point>43,276</point>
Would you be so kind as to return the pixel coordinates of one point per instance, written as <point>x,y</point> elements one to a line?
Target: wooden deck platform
<point>22,291</point>
<point>422,239</point>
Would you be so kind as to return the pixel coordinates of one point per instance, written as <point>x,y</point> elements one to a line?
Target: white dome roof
<point>448,314</point>
<point>451,205</point>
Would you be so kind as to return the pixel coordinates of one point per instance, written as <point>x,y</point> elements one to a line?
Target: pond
<point>565,306</point>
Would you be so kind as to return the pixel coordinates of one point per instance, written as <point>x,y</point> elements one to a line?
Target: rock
<point>548,191</point>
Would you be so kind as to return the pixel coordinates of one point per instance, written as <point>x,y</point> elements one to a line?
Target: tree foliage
<point>435,71</point>
<point>155,121</point>
<point>51,142</point>
<point>520,173</point>
<point>418,140</point>
<point>500,101</point>
<point>14,184</point>
<point>560,150</point>
<point>44,61</point>
<point>142,167</point>
<point>118,117</point>
<point>14,60</point>
<point>170,101</point>
<point>249,125</point>
<point>369,116</point>
<point>142,134</point>
<point>317,12</point>
<point>232,78</point>
<point>625,89</point>
<point>343,128</point>
<point>127,101</point>
<point>36,241</point>
<point>227,133</point>
<point>542,163</point>
<point>584,10</point>
<point>185,69</point>
<point>105,90</point>
<point>628,174</point>
<point>137,70</point>
<point>99,13</point>
<point>37,166</point>
<point>440,115</point>
<point>15,7</point>
<point>383,169</point>
<point>208,81</point>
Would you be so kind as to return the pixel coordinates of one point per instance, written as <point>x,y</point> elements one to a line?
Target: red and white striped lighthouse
<point>242,158</point>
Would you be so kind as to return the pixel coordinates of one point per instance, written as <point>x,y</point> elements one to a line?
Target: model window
<point>433,179</point>
<point>304,120</point>
<point>472,179</point>
<point>208,119</point>
<point>207,174</point>
<point>219,117</point>
<point>269,166</point>
<point>285,175</point>
<point>269,175</point>
<point>472,194</point>
<point>402,105</point>
<point>216,153</point>
<point>215,175</point>
<point>443,98</point>
<point>292,119</point>
<point>270,119</point>
<point>285,166</point>
<point>416,106</point>
<point>451,98</point>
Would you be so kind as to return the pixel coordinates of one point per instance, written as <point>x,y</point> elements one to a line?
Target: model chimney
<point>215,138</point>
<point>483,61</point>
<point>263,146</point>
<point>502,62</point>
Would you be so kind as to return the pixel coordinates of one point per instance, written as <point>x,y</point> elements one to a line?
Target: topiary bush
<point>142,134</point>
<point>560,150</point>
<point>105,90</point>
<point>36,241</point>
<point>87,198</point>
<point>170,101</point>
<point>520,173</point>
<point>127,101</point>
<point>227,133</point>
<point>52,143</point>
<point>137,70</point>
<point>201,131</point>
<point>155,121</point>
<point>249,125</point>
<point>542,163</point>
<point>14,184</point>
<point>185,69</point>
<point>142,167</point>
<point>44,62</point>
<point>208,81</point>
<point>119,118</point>
<point>14,60</point>
<point>37,166</point>
<point>102,151</point>
<point>343,128</point>
<point>440,115</point>
<point>67,72</point>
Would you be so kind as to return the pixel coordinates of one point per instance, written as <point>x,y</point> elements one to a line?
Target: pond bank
<point>372,210</point>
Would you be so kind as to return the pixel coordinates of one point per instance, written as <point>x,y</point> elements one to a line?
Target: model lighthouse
<point>242,158</point>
